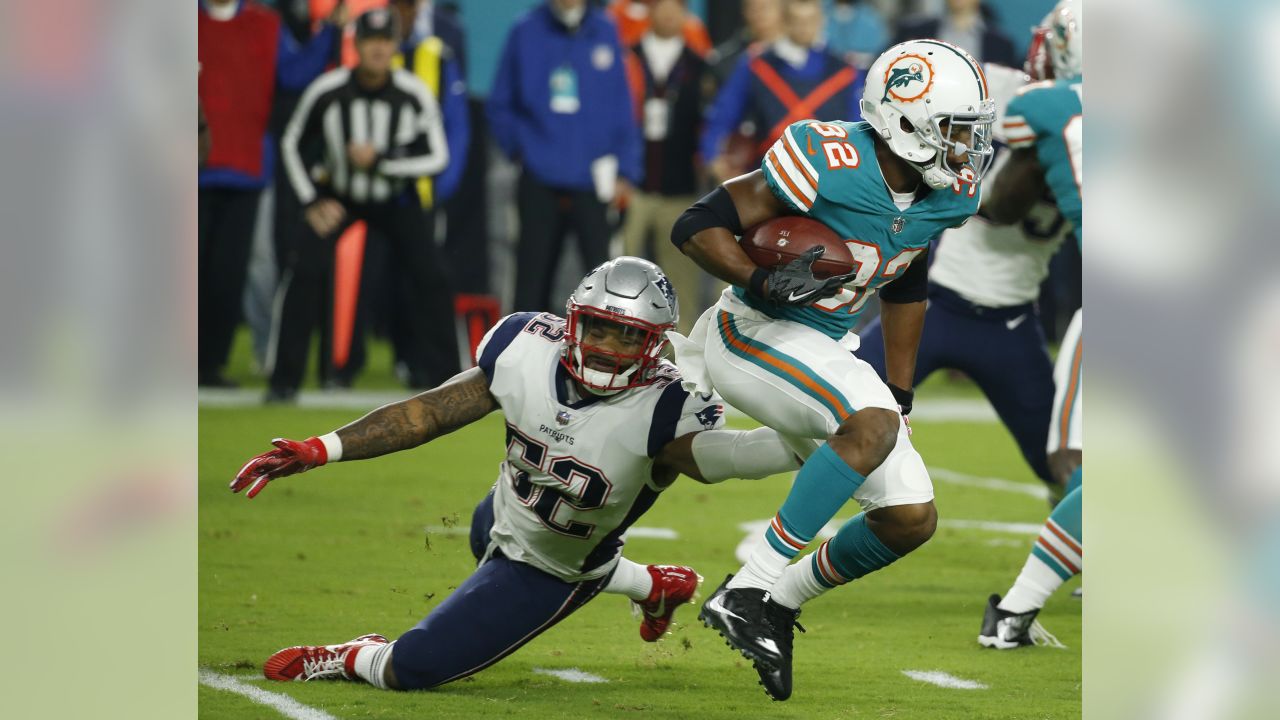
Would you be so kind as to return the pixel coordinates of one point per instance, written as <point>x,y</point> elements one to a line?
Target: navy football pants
<point>502,606</point>
<point>1002,349</point>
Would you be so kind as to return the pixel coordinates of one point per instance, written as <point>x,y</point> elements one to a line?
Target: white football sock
<point>763,569</point>
<point>1034,585</point>
<point>371,664</point>
<point>630,579</point>
<point>798,584</point>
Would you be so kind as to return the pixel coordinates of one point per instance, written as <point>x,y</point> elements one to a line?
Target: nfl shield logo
<point>898,224</point>
<point>563,417</point>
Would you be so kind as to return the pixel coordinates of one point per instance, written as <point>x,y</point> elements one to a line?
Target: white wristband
<point>332,446</point>
<point>750,455</point>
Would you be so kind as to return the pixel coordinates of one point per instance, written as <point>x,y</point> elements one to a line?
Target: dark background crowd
<point>409,170</point>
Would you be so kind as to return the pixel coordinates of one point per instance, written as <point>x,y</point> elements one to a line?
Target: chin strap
<point>937,178</point>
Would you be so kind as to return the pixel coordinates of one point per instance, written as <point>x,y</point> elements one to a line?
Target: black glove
<point>794,283</point>
<point>902,397</point>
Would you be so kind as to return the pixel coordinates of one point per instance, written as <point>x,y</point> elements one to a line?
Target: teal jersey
<point>1049,115</point>
<point>828,171</point>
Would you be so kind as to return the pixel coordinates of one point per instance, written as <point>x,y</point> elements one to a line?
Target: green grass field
<point>374,546</point>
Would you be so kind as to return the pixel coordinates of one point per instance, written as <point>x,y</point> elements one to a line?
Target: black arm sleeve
<point>715,209</point>
<point>911,286</point>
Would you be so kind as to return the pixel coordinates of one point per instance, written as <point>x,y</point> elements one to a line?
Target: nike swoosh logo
<point>662,605</point>
<point>794,297</point>
<point>1014,323</point>
<point>718,607</point>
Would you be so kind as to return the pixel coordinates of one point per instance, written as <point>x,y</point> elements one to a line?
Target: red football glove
<point>289,458</point>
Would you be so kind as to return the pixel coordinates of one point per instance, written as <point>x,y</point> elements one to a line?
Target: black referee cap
<point>379,22</point>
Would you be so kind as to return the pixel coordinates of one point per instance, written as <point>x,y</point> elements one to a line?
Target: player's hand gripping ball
<point>807,260</point>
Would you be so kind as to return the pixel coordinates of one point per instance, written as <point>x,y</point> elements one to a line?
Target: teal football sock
<point>852,553</point>
<point>1057,556</point>
<point>822,487</point>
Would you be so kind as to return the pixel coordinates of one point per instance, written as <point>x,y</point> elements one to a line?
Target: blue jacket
<point>559,147</point>
<point>742,97</point>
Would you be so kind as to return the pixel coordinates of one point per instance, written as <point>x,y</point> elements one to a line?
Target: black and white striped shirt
<point>401,120</point>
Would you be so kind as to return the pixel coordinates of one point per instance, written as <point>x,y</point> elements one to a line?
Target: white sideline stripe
<point>573,675</point>
<point>654,533</point>
<point>950,410</point>
<point>1036,490</point>
<point>941,679</point>
<point>279,702</point>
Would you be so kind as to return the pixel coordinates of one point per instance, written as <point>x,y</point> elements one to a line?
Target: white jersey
<point>576,474</point>
<point>1000,265</point>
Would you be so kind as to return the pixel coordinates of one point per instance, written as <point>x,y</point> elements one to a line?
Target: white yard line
<point>1037,490</point>
<point>279,702</point>
<point>573,675</point>
<point>945,680</point>
<point>1013,528</point>
<point>652,532</point>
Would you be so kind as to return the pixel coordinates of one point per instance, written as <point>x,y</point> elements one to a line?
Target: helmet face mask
<point>617,322</point>
<point>928,99</point>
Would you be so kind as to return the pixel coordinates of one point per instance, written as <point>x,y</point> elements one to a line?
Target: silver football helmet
<point>618,318</point>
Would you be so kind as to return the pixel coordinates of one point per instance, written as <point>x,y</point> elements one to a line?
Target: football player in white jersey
<point>597,425</point>
<point>982,317</point>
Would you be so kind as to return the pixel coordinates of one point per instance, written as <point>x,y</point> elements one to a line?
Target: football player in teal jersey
<point>1044,124</point>
<point>778,345</point>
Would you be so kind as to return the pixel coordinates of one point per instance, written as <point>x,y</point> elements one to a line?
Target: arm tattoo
<point>409,423</point>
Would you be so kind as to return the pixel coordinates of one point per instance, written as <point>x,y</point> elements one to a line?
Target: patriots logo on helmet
<point>709,415</point>
<point>668,290</point>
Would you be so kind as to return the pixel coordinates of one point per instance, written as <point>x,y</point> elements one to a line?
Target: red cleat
<point>318,662</point>
<point>673,586</point>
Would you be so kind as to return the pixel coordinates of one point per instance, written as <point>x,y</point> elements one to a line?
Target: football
<point>780,240</point>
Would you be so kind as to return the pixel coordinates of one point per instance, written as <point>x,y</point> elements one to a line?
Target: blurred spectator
<point>792,79</point>
<point>434,62</point>
<point>856,31</point>
<point>761,23</point>
<point>666,77</point>
<point>434,20</point>
<point>377,130</point>
<point>204,140</point>
<point>560,107</point>
<point>967,24</point>
<point>244,52</point>
<point>433,59</point>
<point>634,17</point>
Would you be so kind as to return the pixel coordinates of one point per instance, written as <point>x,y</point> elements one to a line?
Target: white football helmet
<point>1065,38</point>
<point>630,301</point>
<point>915,87</point>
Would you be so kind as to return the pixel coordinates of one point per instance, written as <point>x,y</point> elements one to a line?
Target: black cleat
<point>1004,630</point>
<point>739,616</point>
<point>782,622</point>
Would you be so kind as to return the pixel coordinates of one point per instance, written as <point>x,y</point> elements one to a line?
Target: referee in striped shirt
<point>370,132</point>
